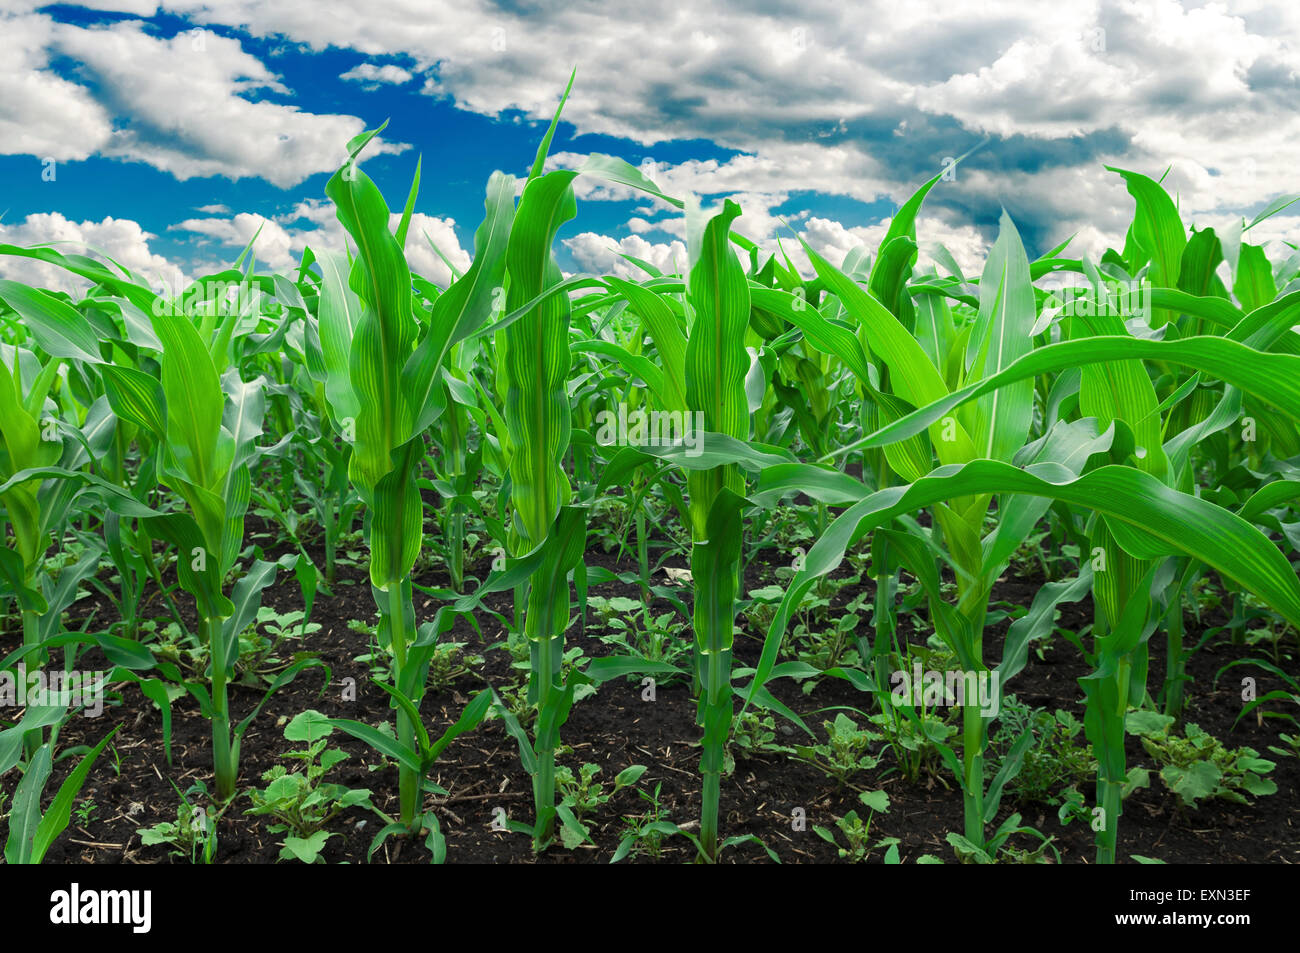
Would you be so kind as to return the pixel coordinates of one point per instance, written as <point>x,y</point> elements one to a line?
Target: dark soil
<point>131,785</point>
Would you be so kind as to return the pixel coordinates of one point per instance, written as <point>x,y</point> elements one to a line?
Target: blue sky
<point>175,130</point>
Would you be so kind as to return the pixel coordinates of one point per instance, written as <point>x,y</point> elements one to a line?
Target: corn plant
<point>537,418</point>
<point>382,378</point>
<point>44,458</point>
<point>715,366</point>
<point>996,357</point>
<point>704,375</point>
<point>994,429</point>
<point>206,426</point>
<point>32,831</point>
<point>533,362</point>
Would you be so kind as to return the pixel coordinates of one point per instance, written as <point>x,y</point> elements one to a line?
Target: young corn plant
<point>1147,513</point>
<point>206,426</point>
<point>383,364</point>
<point>716,363</point>
<point>44,457</point>
<point>24,448</point>
<point>536,364</point>
<point>533,361</point>
<point>704,376</point>
<point>996,428</point>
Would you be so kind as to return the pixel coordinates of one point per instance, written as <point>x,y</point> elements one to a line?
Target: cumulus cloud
<point>194,104</point>
<point>42,113</point>
<point>272,244</point>
<point>374,76</point>
<point>122,240</point>
<point>865,100</point>
<point>861,100</point>
<point>278,244</point>
<point>601,254</point>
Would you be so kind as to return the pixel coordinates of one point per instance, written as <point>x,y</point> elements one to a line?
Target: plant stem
<point>973,603</point>
<point>1110,704</point>
<point>973,765</point>
<point>33,739</point>
<point>541,690</point>
<point>716,698</point>
<point>642,553</point>
<point>223,760</point>
<point>408,780</point>
<point>332,529</point>
<point>147,552</point>
<point>455,536</point>
<point>1175,663</point>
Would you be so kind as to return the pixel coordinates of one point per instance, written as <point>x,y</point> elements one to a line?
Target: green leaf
<point>1182,523</point>
<point>1157,228</point>
<point>25,808</point>
<point>537,358</point>
<point>384,336</point>
<point>629,776</point>
<point>60,811</point>
<point>469,719</point>
<point>1144,722</point>
<point>1254,285</point>
<point>467,304</point>
<point>383,743</point>
<point>1274,378</point>
<point>58,329</point>
<point>137,397</point>
<point>339,313</point>
<point>194,401</point>
<point>878,801</point>
<point>308,726</point>
<point>1193,783</point>
<point>307,849</point>
<point>1002,336</point>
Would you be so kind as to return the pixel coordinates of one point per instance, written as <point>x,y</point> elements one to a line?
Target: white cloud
<point>375,75</point>
<point>600,254</point>
<point>122,240</point>
<point>862,100</point>
<point>280,243</point>
<point>41,113</point>
<point>192,105</point>
<point>854,100</point>
<point>273,247</point>
<point>421,256</point>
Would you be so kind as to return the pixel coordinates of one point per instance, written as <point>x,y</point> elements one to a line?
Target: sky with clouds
<point>167,134</point>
